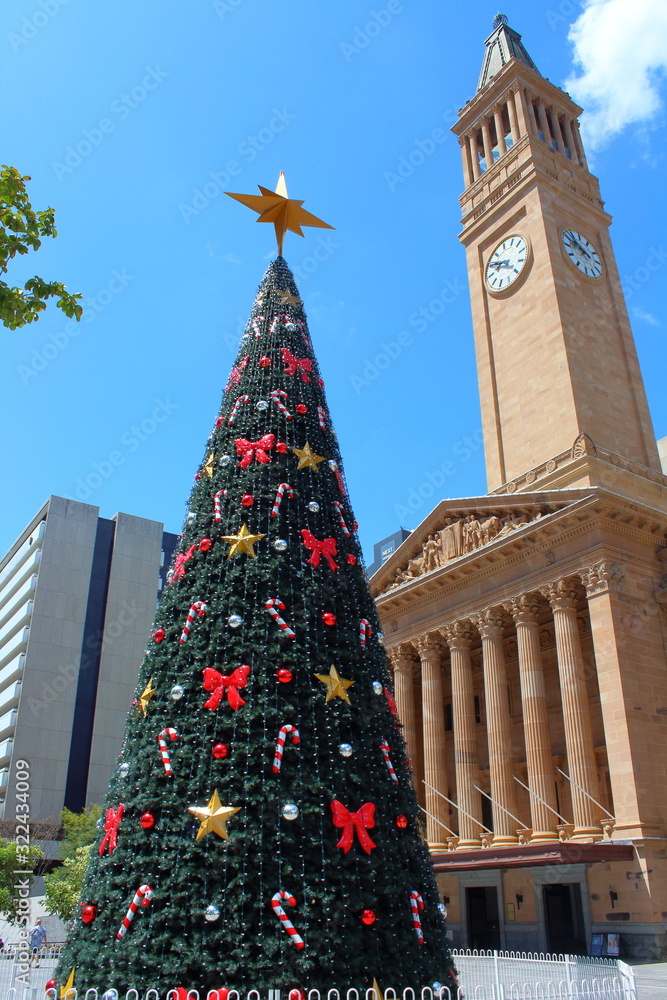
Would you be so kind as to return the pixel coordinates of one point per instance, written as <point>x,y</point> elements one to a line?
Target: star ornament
<point>307,457</point>
<point>336,685</point>
<point>213,817</point>
<point>146,696</point>
<point>68,987</point>
<point>243,542</point>
<point>287,299</point>
<point>285,213</point>
<point>210,465</point>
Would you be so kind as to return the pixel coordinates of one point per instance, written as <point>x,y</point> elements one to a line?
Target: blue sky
<point>169,106</point>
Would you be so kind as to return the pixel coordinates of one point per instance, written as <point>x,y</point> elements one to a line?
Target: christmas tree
<point>261,828</point>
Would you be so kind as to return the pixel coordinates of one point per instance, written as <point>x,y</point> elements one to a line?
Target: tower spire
<point>502,45</point>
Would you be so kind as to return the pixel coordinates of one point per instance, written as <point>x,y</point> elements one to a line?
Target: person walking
<point>37,940</point>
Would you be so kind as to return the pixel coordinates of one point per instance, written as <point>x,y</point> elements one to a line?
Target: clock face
<point>582,253</point>
<point>506,263</point>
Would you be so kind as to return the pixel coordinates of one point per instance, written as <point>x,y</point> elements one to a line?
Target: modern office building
<point>77,598</point>
<point>527,628</point>
<point>384,549</point>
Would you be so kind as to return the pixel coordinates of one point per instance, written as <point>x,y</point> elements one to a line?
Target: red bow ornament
<point>362,820</point>
<point>326,548</point>
<point>179,564</point>
<point>235,374</point>
<point>111,824</point>
<point>301,365</point>
<point>255,449</point>
<point>222,685</point>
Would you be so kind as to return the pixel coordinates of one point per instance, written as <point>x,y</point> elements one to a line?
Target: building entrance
<point>483,924</point>
<point>564,919</point>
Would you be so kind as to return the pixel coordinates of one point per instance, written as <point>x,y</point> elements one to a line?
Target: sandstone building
<point>527,628</point>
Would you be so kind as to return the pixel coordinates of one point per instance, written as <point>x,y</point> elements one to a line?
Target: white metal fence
<point>482,976</point>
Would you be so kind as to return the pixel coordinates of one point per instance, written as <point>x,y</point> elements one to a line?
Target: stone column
<point>500,130</point>
<point>569,140</point>
<point>579,144</point>
<point>465,160</point>
<point>514,125</point>
<point>474,156</point>
<point>486,139</point>
<point>490,625</point>
<point>582,767</point>
<point>525,612</point>
<point>435,761</point>
<point>521,108</point>
<point>458,637</point>
<point>403,661</point>
<point>544,122</point>
<point>555,130</point>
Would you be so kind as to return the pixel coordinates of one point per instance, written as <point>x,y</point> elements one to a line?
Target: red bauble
<point>282,448</point>
<point>159,635</point>
<point>328,618</point>
<point>51,985</point>
<point>220,751</point>
<point>352,559</point>
<point>368,917</point>
<point>401,822</point>
<point>147,820</point>
<point>219,422</point>
<point>264,362</point>
<point>247,500</point>
<point>284,675</point>
<point>355,525</point>
<point>89,913</point>
<point>296,994</point>
<point>198,477</point>
<point>205,544</point>
<point>301,408</point>
<point>320,382</point>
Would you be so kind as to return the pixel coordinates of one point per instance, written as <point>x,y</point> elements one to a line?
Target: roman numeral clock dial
<point>507,263</point>
<point>582,253</point>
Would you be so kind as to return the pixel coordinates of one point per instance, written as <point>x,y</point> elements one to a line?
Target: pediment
<point>457,528</point>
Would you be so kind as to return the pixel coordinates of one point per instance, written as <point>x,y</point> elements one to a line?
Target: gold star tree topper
<point>307,458</point>
<point>285,213</point>
<point>68,988</point>
<point>336,685</point>
<point>213,817</point>
<point>243,542</point>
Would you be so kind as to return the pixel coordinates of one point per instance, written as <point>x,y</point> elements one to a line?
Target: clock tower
<point>561,391</point>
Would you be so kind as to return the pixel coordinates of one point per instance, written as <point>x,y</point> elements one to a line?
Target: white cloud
<point>647,317</point>
<point>620,47</point>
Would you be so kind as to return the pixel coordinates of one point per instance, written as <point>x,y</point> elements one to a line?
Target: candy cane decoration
<point>166,734</point>
<point>417,904</point>
<point>271,605</point>
<point>216,505</point>
<point>255,325</point>
<point>283,733</point>
<point>365,631</point>
<point>276,321</point>
<point>277,396</point>
<point>142,896</point>
<point>237,406</point>
<point>283,489</point>
<point>339,508</point>
<point>198,608</point>
<point>321,416</point>
<point>384,747</point>
<point>282,916</point>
